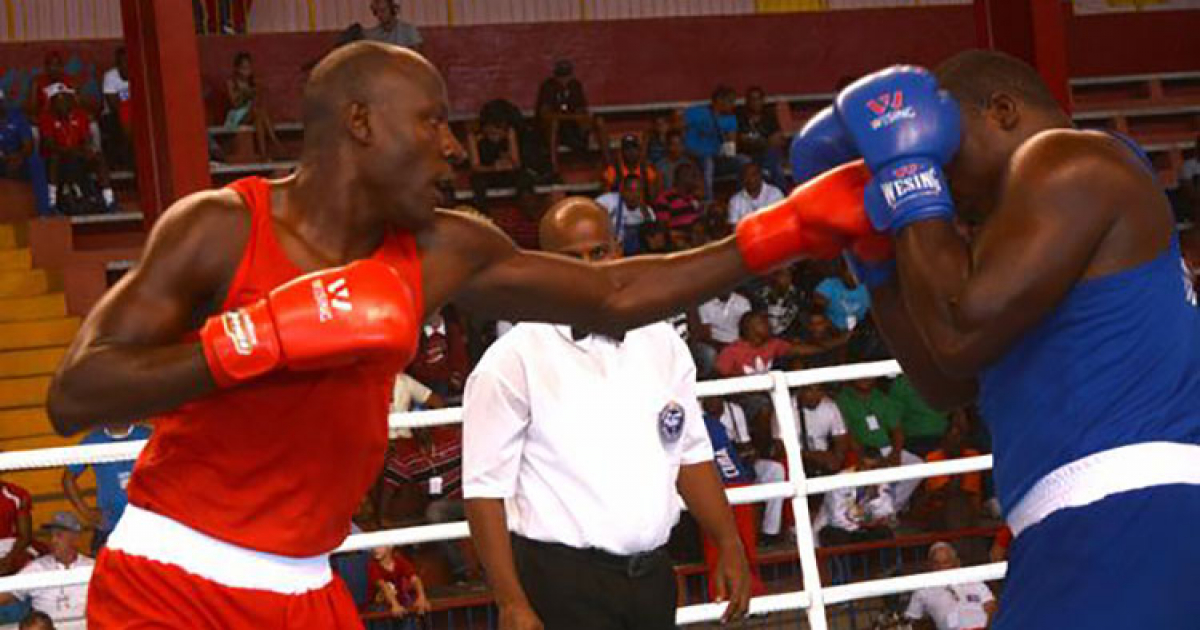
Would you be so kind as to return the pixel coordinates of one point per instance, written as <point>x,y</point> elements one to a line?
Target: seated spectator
<point>953,502</point>
<point>53,73</point>
<point>116,114</point>
<point>923,426</point>
<point>562,110</point>
<point>782,301</point>
<point>520,222</point>
<point>71,157</point>
<point>735,471</point>
<point>873,420</point>
<point>756,350</point>
<point>628,212</point>
<point>815,328</point>
<point>390,29</point>
<point>441,362</point>
<point>846,302</point>
<point>495,158</point>
<point>719,320</point>
<point>759,136</point>
<point>16,527</point>
<point>655,238</point>
<point>431,460</point>
<point>62,603</point>
<point>679,207</point>
<point>656,139</point>
<point>393,585</point>
<point>954,607</point>
<point>631,163</point>
<point>36,620</point>
<point>247,101</point>
<point>676,154</point>
<point>853,515</point>
<point>710,135</point>
<point>18,159</point>
<point>823,435</point>
<point>754,196</point>
<point>111,479</point>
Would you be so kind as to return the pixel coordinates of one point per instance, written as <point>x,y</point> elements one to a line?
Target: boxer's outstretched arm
<point>1062,196</point>
<point>510,283</point>
<point>128,362</point>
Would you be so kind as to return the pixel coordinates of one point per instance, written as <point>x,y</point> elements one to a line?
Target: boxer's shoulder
<point>1071,156</point>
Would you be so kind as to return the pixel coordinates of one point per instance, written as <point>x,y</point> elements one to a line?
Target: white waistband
<point>1099,475</point>
<point>156,537</point>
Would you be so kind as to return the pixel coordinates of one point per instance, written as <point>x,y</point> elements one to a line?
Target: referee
<point>577,448</point>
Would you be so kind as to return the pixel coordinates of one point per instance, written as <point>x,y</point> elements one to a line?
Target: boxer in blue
<point>1070,316</point>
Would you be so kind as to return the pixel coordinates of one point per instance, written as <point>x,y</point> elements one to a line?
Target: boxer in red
<point>265,323</point>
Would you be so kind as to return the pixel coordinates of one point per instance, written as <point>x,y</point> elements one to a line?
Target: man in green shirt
<point>874,421</point>
<point>923,427</point>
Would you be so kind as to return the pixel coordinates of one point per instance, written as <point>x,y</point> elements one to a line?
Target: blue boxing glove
<point>906,129</point>
<point>821,144</point>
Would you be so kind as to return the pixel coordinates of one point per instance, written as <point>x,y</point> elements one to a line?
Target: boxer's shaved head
<point>975,76</point>
<point>578,227</point>
<point>375,115</point>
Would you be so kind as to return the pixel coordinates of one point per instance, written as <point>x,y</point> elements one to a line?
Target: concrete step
<point>24,422</point>
<point>37,307</point>
<point>16,259</point>
<point>24,283</point>
<point>32,442</point>
<point>23,392</point>
<point>36,362</point>
<point>40,334</point>
<point>11,235</point>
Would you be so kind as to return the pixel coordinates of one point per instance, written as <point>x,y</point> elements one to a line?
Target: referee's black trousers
<point>587,589</point>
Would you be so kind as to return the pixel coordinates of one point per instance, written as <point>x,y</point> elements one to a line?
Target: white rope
<point>775,382</point>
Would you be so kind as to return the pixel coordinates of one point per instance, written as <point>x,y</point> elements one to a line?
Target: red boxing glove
<point>321,320</point>
<point>816,221</point>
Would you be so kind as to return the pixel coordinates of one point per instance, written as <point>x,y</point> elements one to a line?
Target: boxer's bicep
<point>1051,220</point>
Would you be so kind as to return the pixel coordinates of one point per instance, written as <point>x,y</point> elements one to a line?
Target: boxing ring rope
<point>777,384</point>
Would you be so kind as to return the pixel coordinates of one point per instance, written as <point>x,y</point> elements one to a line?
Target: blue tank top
<point>1116,363</point>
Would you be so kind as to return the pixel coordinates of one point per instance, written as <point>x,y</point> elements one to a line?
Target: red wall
<point>684,58</point>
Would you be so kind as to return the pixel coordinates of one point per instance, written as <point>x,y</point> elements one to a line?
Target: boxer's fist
<point>906,129</point>
<point>324,319</point>
<point>816,221</point>
<point>820,145</point>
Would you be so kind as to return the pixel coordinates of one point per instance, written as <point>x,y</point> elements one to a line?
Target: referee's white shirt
<point>582,438</point>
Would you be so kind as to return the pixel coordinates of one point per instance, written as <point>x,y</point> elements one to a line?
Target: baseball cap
<point>563,68</point>
<point>630,141</point>
<point>66,521</point>
<point>54,89</point>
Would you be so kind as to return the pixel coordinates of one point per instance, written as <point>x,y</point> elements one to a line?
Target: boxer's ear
<point>358,122</point>
<point>1004,110</point>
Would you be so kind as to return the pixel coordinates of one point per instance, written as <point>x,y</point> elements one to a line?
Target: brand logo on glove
<point>240,330</point>
<point>888,108</point>
<point>910,182</point>
<point>340,299</point>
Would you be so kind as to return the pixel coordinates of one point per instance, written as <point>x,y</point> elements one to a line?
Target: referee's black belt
<point>634,566</point>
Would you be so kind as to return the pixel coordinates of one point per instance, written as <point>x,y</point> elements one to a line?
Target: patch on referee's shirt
<point>670,422</point>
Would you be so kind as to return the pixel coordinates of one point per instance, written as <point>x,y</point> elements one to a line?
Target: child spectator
<point>393,584</point>
<point>247,106</point>
<point>495,157</point>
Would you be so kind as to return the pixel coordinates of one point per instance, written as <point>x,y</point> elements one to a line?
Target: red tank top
<point>281,463</point>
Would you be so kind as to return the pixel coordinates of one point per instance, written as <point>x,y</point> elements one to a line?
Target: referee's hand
<point>733,582</point>
<point>519,617</point>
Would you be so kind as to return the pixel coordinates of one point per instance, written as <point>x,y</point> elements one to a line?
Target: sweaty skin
<point>376,144</point>
<point>1058,205</point>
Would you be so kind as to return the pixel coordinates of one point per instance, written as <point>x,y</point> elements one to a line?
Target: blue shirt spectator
<point>706,128</point>
<point>111,479</point>
<point>18,160</point>
<point>730,466</point>
<point>844,306</point>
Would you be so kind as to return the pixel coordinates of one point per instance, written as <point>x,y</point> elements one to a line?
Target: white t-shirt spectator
<point>852,508</point>
<point>742,204</point>
<point>611,201</point>
<point>722,316</point>
<point>403,34</point>
<point>62,603</point>
<point>822,424</point>
<point>952,607</point>
<point>115,85</point>
<point>733,418</point>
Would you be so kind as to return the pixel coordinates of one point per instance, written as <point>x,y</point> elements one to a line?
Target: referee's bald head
<point>578,227</point>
